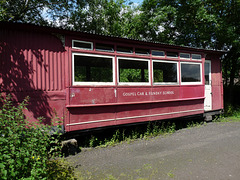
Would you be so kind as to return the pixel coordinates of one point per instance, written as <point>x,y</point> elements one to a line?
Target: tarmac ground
<point>211,151</point>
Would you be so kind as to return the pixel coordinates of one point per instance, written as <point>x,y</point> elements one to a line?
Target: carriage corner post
<point>95,81</point>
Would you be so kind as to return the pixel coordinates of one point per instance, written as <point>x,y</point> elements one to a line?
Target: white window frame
<point>166,83</point>
<point>183,57</point>
<point>159,51</point>
<point>191,83</point>
<point>197,55</point>
<point>85,42</point>
<point>92,83</point>
<point>134,83</point>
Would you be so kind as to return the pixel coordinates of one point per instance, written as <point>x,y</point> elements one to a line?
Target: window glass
<point>133,70</point>
<point>190,72</point>
<point>207,71</point>
<point>92,69</point>
<point>172,54</point>
<point>196,56</point>
<point>184,56</point>
<point>104,47</point>
<point>123,49</point>
<point>164,72</point>
<point>142,51</point>
<point>82,45</point>
<point>158,53</point>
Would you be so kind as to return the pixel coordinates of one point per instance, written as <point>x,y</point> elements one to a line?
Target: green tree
<point>98,16</point>
<point>157,21</point>
<point>197,23</point>
<point>35,11</point>
<point>107,17</point>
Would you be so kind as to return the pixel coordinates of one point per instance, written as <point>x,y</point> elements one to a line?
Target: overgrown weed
<point>28,150</point>
<point>145,131</point>
<point>231,113</point>
<point>151,129</point>
<point>192,124</point>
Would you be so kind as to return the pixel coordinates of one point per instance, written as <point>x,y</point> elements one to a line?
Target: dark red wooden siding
<point>32,64</point>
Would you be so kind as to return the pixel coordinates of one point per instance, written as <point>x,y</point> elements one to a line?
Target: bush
<point>229,110</point>
<point>59,170</point>
<point>25,151</point>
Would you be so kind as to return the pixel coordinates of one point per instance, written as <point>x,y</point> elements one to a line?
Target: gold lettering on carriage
<point>147,93</point>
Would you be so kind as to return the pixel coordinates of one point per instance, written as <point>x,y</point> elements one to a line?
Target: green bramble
<point>25,151</point>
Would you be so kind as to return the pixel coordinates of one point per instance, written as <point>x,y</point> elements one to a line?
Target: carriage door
<point>208,87</point>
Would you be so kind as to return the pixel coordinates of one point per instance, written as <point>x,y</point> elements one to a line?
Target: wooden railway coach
<point>97,81</point>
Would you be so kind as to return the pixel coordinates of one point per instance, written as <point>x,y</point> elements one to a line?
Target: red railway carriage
<point>97,81</point>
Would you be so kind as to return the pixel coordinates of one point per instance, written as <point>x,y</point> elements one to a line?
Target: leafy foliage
<point>98,16</point>
<point>60,169</point>
<point>97,74</point>
<point>34,11</point>
<point>28,151</point>
<point>133,75</point>
<point>197,23</point>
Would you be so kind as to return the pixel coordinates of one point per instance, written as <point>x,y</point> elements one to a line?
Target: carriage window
<point>122,49</point>
<point>104,47</point>
<point>196,56</point>
<point>207,68</point>
<point>172,54</point>
<point>133,71</point>
<point>92,69</point>
<point>158,53</point>
<point>82,45</point>
<point>142,51</point>
<point>191,73</point>
<point>184,56</point>
<point>165,72</point>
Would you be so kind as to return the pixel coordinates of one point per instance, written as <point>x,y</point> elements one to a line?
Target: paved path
<point>210,152</point>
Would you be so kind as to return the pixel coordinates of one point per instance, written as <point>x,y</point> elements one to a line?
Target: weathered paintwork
<point>37,62</point>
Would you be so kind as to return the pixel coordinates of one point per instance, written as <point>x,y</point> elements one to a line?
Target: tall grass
<point>231,113</point>
<point>148,130</point>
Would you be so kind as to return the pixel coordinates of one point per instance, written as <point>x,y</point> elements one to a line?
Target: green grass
<point>148,130</point>
<point>227,119</point>
<point>144,172</point>
<point>170,174</point>
<point>152,129</point>
<point>235,116</point>
<point>231,114</point>
<point>192,124</point>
